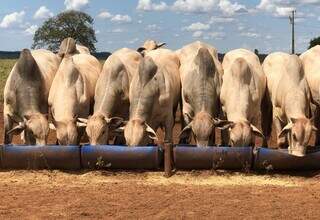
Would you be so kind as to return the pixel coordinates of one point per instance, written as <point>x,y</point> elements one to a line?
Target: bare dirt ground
<point>148,195</point>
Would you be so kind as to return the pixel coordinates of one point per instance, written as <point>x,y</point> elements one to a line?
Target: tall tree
<point>75,24</point>
<point>314,42</point>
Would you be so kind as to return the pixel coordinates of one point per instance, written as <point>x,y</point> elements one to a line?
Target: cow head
<point>67,47</point>
<point>35,128</point>
<point>298,132</point>
<point>98,128</point>
<point>149,45</point>
<point>202,127</point>
<point>138,132</point>
<point>67,131</point>
<point>241,133</point>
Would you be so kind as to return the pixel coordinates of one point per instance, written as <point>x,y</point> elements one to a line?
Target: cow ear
<point>190,117</point>
<point>141,50</point>
<point>293,120</point>
<point>151,133</point>
<point>185,133</point>
<point>256,131</point>
<point>114,122</point>
<point>27,117</point>
<point>161,45</point>
<point>52,126</point>
<point>285,130</point>
<point>222,124</point>
<point>17,129</point>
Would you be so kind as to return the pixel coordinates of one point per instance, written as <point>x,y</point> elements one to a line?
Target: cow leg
<point>225,132</point>
<point>266,118</point>
<point>8,125</point>
<point>316,116</point>
<point>212,138</point>
<point>81,131</point>
<point>281,142</point>
<point>119,140</point>
<point>186,110</point>
<point>169,129</point>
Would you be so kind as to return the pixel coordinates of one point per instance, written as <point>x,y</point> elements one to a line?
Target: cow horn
<point>83,120</point>
<point>18,129</point>
<point>152,133</point>
<point>161,45</point>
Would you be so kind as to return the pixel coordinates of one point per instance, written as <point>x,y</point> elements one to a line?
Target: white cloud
<point>42,13</point>
<point>121,18</point>
<point>153,27</point>
<point>148,5</point>
<point>268,37</point>
<point>283,8</point>
<point>31,30</point>
<point>134,40</point>
<point>97,32</point>
<point>250,34</point>
<point>215,35</point>
<point>221,20</point>
<point>197,34</point>
<point>76,4</point>
<point>229,8</point>
<point>198,26</point>
<point>241,27</point>
<point>117,30</point>
<point>104,15</point>
<point>12,19</point>
<point>195,6</point>
<point>117,18</point>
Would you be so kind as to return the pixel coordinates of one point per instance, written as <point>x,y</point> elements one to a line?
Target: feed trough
<point>280,159</point>
<point>40,157</point>
<point>121,157</point>
<point>188,157</point>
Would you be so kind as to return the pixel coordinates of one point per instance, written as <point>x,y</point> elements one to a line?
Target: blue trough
<point>188,157</point>
<point>280,159</point>
<point>121,157</point>
<point>40,157</point>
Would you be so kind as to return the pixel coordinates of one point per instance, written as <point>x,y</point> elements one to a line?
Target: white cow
<point>112,95</point>
<point>242,92</point>
<point>26,96</point>
<point>201,79</point>
<point>311,66</point>
<point>71,95</point>
<point>154,96</point>
<point>290,96</point>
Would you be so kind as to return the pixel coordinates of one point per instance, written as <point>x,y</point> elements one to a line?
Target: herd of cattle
<point>138,91</point>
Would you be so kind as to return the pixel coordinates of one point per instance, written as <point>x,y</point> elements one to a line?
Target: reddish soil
<point>148,195</point>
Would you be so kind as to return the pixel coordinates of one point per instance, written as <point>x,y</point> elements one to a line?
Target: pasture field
<point>149,195</point>
<point>5,68</point>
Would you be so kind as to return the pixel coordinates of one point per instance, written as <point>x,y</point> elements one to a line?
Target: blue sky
<point>226,24</point>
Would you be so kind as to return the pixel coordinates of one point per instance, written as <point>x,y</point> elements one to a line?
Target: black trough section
<point>121,157</point>
<point>228,158</point>
<point>40,157</point>
<point>279,159</point>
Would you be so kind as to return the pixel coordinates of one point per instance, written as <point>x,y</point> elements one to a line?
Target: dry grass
<point>203,178</point>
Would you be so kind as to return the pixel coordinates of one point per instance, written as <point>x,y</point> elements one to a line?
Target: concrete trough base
<point>279,159</point>
<point>40,157</point>
<point>188,157</point>
<point>121,157</point>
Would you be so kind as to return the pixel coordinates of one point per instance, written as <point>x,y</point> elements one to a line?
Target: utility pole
<point>291,18</point>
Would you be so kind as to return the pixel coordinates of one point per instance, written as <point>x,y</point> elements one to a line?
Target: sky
<point>225,24</point>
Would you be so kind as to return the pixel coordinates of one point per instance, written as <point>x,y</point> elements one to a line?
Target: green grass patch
<point>5,68</point>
